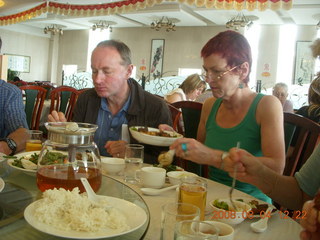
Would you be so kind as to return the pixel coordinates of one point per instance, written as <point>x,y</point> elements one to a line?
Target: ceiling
<point>303,12</point>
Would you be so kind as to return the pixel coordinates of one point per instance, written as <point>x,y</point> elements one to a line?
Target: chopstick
<point>234,182</point>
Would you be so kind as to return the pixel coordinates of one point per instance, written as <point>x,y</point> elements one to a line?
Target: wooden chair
<point>301,137</point>
<point>63,99</point>
<point>191,112</point>
<point>34,99</point>
<point>175,114</point>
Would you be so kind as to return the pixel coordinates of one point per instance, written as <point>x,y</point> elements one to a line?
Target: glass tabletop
<point>21,189</point>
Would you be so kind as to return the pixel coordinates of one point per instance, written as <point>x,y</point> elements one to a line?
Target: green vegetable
<point>134,129</point>
<point>33,158</point>
<point>221,204</point>
<point>53,158</point>
<point>9,157</point>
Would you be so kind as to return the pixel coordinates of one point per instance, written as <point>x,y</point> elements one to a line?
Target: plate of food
<point>154,136</point>
<point>257,206</point>
<point>2,184</point>
<point>69,214</point>
<point>25,162</point>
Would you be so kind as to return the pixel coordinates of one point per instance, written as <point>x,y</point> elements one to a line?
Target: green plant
<point>11,74</point>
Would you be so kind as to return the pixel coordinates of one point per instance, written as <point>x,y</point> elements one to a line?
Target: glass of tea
<point>34,142</point>
<point>193,190</point>
<point>68,155</point>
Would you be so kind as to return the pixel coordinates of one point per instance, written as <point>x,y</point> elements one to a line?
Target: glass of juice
<point>34,142</point>
<point>193,190</point>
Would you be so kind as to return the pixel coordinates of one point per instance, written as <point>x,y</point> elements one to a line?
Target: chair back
<point>63,99</point>
<point>191,112</point>
<point>301,137</point>
<point>34,99</point>
<point>175,114</point>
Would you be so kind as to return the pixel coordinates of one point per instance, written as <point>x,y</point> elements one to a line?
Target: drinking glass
<point>34,142</point>
<point>174,212</point>
<point>133,157</point>
<point>193,190</point>
<point>192,229</point>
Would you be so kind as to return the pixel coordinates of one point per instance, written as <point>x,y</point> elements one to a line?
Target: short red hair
<point>230,45</point>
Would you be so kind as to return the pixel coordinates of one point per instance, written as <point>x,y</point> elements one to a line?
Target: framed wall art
<point>156,58</point>
<point>304,63</point>
<point>19,63</point>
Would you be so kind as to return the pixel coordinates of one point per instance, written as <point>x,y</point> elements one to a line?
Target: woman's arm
<point>270,117</point>
<point>176,97</point>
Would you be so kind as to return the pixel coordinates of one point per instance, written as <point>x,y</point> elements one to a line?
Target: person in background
<point>289,191</point>
<point>189,90</point>
<point>280,90</point>
<point>234,115</point>
<point>312,111</point>
<point>117,99</point>
<point>18,82</point>
<point>203,96</point>
<point>13,123</point>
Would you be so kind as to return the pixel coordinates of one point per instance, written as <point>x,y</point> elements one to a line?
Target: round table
<point>21,189</point>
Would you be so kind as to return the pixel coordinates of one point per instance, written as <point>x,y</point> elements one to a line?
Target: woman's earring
<point>240,85</point>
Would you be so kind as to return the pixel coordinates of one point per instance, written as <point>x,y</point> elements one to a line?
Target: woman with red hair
<point>235,115</point>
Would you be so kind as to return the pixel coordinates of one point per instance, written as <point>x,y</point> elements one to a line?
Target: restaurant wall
<point>28,45</point>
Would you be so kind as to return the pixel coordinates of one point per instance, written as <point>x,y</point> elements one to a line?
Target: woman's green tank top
<point>247,133</point>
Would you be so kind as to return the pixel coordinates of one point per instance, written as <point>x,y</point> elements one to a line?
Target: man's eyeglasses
<point>217,75</point>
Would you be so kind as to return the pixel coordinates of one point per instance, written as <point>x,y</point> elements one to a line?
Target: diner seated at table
<point>312,111</point>
<point>13,122</point>
<point>235,115</point>
<point>289,191</point>
<point>189,90</point>
<point>117,99</point>
<point>280,90</point>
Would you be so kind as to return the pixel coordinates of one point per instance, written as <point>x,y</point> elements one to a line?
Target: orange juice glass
<point>193,190</point>
<point>34,142</point>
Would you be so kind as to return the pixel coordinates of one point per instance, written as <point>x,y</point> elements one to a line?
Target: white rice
<point>69,210</point>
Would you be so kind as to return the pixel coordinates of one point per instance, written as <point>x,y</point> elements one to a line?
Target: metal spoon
<point>92,196</point>
<point>154,192</point>
<point>262,224</point>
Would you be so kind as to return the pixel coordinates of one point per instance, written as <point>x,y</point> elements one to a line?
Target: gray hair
<point>122,48</point>
<point>281,85</point>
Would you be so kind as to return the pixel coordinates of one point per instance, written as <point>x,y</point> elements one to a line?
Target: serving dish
<point>24,155</point>
<point>263,206</point>
<point>154,140</point>
<point>175,176</point>
<point>2,184</point>
<point>134,214</point>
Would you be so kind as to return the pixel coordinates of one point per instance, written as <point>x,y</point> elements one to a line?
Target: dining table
<point>21,190</point>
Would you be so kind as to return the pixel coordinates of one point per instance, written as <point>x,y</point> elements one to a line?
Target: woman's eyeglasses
<point>217,75</point>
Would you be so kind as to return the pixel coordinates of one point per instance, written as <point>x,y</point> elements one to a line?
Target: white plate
<point>247,200</point>
<point>154,140</point>
<point>2,184</point>
<point>134,214</point>
<point>19,155</point>
<point>2,158</point>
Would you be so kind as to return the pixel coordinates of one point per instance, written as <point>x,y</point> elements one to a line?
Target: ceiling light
<point>239,21</point>
<point>163,22</point>
<point>102,25</point>
<point>53,29</point>
<point>1,3</point>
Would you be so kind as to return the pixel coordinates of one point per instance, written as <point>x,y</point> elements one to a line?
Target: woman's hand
<point>311,222</point>
<point>56,117</point>
<point>191,149</point>
<point>116,148</point>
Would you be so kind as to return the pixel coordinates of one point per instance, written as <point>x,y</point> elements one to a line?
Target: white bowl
<point>226,232</point>
<point>154,140</point>
<point>231,217</point>
<point>112,165</point>
<point>175,176</point>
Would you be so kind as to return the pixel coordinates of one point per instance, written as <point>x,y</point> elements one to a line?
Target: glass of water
<point>133,157</point>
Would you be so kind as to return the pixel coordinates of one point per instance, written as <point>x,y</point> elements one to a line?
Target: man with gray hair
<point>117,99</point>
<point>280,90</point>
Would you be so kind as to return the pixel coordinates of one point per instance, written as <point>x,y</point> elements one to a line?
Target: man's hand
<point>56,117</point>
<point>116,148</point>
